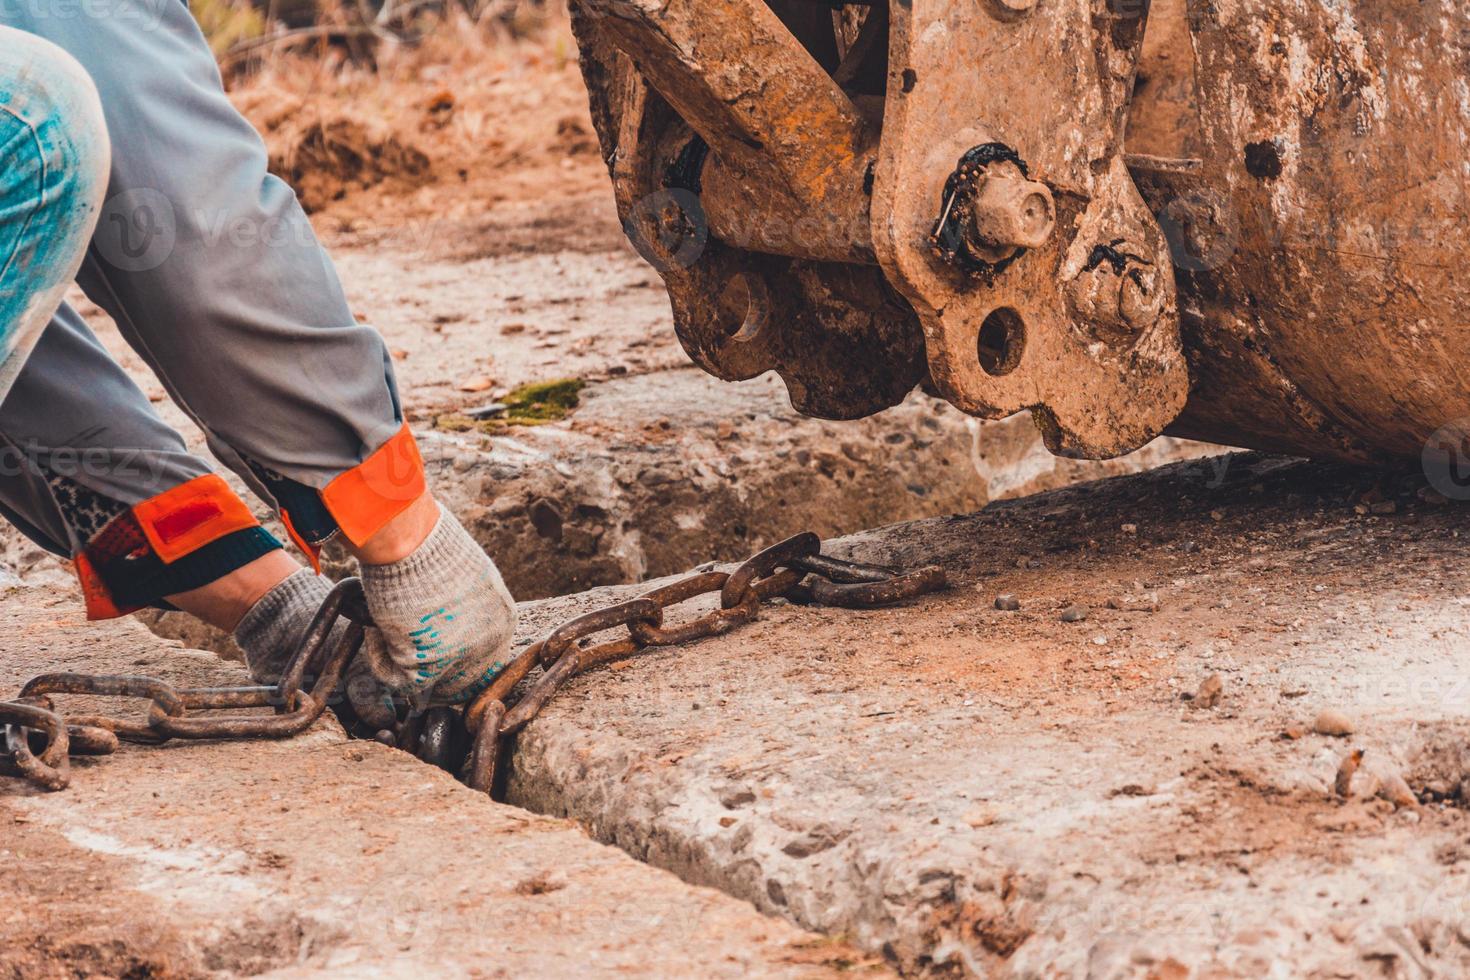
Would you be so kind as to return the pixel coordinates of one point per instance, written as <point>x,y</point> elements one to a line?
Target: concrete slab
<point>998,793</point>
<point>320,856</point>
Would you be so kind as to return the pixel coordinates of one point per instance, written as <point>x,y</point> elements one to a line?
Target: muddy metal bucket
<point>1233,220</point>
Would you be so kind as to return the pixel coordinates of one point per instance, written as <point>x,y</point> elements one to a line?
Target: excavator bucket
<point>1235,220</point>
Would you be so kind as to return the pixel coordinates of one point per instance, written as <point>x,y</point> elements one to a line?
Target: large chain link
<point>38,741</point>
<point>783,570</point>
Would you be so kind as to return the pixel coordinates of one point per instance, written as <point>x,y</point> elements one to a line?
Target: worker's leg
<point>86,468</point>
<point>213,274</point>
<point>53,171</point>
<point>90,472</point>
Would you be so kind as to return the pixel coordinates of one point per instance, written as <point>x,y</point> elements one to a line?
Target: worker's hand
<point>444,619</point>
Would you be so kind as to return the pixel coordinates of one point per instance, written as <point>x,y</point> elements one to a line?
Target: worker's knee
<point>54,162</point>
<point>54,151</point>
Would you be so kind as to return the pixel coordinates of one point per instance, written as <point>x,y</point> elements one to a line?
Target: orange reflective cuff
<point>95,592</point>
<point>371,494</point>
<point>312,552</point>
<point>192,515</point>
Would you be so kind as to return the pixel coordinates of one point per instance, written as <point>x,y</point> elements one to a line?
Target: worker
<point>211,271</point>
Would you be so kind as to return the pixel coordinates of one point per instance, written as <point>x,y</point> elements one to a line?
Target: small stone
<point>981,816</point>
<point>1211,690</point>
<point>1384,507</point>
<point>728,821</point>
<point>1430,496</point>
<point>1293,732</point>
<point>479,382</point>
<point>1075,614</point>
<point>1007,602</point>
<point>1343,931</point>
<point>1346,770</point>
<point>1334,723</point>
<point>1395,790</point>
<point>1217,515</point>
<point>1130,528</point>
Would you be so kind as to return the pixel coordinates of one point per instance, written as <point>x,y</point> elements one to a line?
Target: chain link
<point>170,714</point>
<point>779,571</point>
<point>37,741</point>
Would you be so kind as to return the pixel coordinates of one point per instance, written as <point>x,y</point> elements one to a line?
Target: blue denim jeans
<point>53,173</point>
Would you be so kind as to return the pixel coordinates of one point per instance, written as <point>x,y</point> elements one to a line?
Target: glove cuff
<point>271,629</point>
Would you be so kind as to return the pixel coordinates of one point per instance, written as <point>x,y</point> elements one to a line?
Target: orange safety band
<point>377,490</point>
<point>313,552</point>
<point>192,515</point>
<point>95,592</point>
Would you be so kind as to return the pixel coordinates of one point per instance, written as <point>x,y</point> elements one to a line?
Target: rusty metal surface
<point>741,313</point>
<point>49,769</point>
<point>782,570</point>
<point>1335,143</point>
<point>1290,284</point>
<point>770,113</point>
<point>1049,328</point>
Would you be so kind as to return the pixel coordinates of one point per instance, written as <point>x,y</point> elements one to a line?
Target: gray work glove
<point>273,628</point>
<point>444,618</point>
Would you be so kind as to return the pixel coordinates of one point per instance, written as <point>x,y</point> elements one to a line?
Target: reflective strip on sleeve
<point>371,494</point>
<point>192,515</point>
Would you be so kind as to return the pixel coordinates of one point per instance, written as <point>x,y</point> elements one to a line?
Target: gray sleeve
<point>207,262</point>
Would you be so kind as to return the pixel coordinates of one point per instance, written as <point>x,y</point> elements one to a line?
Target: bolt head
<point>1141,298</point>
<point>1011,213</point>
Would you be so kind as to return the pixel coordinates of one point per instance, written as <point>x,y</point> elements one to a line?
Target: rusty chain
<point>38,741</point>
<point>780,571</point>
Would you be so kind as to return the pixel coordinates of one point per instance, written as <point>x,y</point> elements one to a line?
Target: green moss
<point>532,404</point>
<point>454,423</point>
<point>543,401</point>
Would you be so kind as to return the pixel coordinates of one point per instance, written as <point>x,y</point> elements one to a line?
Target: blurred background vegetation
<point>244,33</point>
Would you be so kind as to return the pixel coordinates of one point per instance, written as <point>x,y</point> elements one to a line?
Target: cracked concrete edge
<point>318,855</point>
<point>791,804</point>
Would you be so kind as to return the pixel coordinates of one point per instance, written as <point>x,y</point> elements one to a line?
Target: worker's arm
<point>213,274</point>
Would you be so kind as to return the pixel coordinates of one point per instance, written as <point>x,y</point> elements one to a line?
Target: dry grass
<point>472,114</point>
